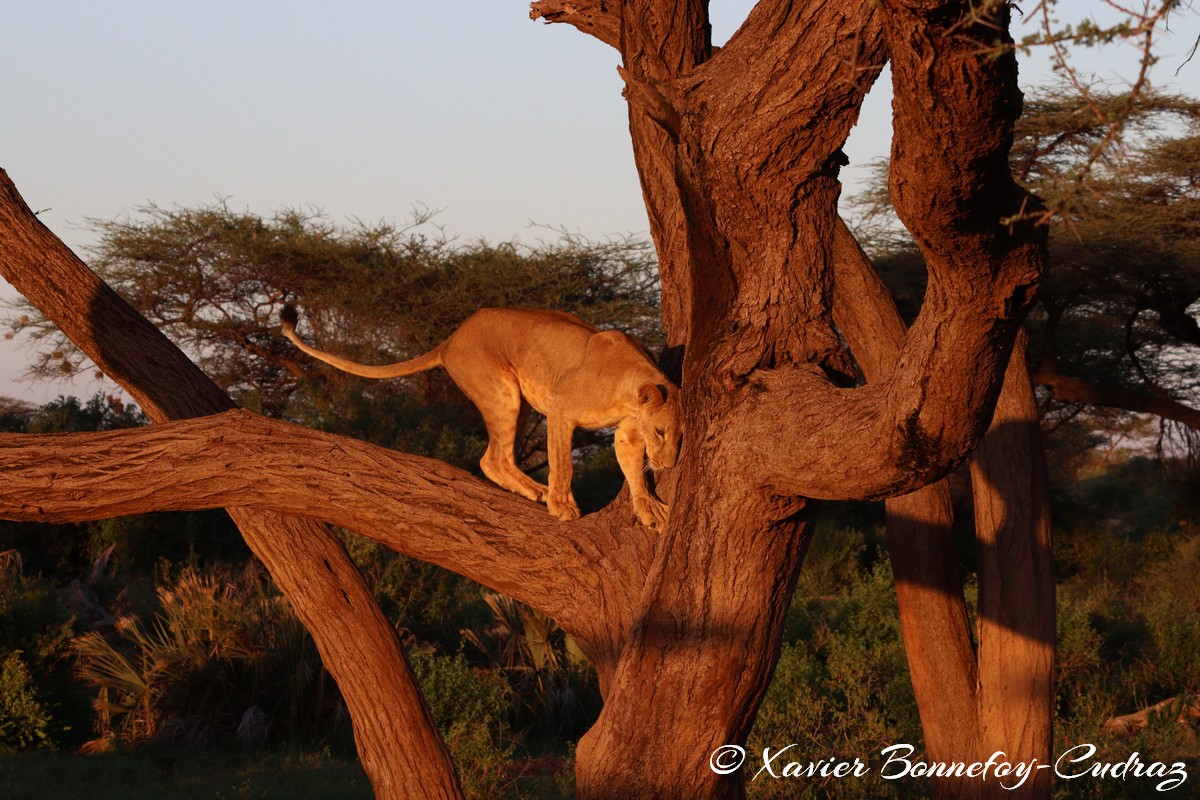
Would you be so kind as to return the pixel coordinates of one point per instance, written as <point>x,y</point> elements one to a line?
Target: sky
<point>362,110</point>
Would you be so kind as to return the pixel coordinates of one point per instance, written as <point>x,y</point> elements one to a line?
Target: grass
<point>180,776</point>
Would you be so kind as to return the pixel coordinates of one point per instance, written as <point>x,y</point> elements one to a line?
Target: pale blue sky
<point>362,110</point>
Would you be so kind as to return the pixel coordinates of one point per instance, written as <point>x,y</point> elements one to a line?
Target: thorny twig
<point>1141,24</point>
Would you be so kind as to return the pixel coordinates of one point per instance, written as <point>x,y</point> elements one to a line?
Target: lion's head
<point>659,423</point>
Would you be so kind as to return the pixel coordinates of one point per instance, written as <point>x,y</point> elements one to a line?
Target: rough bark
<point>396,738</point>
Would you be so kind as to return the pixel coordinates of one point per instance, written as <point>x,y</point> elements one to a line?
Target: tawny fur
<point>507,360</point>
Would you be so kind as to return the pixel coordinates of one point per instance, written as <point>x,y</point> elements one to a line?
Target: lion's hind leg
<point>503,411</point>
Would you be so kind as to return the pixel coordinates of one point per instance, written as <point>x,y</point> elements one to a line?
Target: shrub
<point>470,708</point>
<point>1123,647</point>
<point>841,689</point>
<point>42,705</point>
<point>24,723</point>
<point>217,650</point>
<point>555,690</point>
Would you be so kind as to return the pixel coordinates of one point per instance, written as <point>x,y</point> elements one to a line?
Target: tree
<point>738,152</point>
<point>1115,327</point>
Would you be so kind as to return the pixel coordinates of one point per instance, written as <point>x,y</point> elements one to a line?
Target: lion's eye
<point>659,432</point>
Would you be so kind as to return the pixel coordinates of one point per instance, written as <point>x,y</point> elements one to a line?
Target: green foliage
<point>1128,637</point>
<point>1116,520</point>
<point>24,723</point>
<point>214,279</point>
<point>470,708</point>
<point>14,415</point>
<point>39,704</point>
<point>1122,648</point>
<point>841,687</point>
<point>99,413</point>
<point>1128,627</point>
<point>220,643</point>
<point>32,620</point>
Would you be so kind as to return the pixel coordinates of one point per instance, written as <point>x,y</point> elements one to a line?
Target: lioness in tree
<point>509,359</point>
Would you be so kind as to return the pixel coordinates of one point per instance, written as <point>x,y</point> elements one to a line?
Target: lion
<point>507,360</point>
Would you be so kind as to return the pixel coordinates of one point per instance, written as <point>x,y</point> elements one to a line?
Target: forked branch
<point>952,186</point>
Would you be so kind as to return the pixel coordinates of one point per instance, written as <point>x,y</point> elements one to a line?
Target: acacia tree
<point>763,288</point>
<point>1116,327</point>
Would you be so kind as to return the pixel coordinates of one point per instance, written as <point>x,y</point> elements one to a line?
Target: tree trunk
<point>1016,583</point>
<point>742,209</point>
<point>967,713</point>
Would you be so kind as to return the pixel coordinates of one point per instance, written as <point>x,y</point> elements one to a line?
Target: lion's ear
<point>650,396</point>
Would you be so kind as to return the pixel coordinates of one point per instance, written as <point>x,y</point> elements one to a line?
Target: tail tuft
<point>289,317</point>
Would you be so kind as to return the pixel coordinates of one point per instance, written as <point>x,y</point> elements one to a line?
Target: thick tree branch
<point>1016,581</point>
<point>598,18</point>
<point>663,41</point>
<point>780,112</point>
<point>418,507</point>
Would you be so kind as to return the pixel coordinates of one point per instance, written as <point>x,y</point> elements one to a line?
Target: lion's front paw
<point>651,513</point>
<point>562,506</point>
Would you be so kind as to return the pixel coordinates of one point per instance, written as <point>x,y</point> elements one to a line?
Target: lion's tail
<point>288,318</point>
